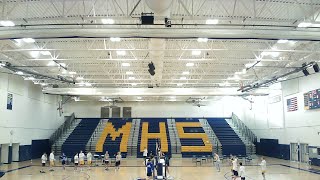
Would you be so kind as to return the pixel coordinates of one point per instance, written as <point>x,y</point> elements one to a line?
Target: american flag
<point>292,104</point>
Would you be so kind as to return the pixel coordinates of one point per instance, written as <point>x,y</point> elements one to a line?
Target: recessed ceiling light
<point>107,21</point>
<point>202,39</point>
<point>179,84</point>
<point>72,72</point>
<point>125,64</point>
<point>19,73</point>
<point>7,23</point>
<point>121,53</point>
<point>45,53</point>
<point>30,78</point>
<point>190,64</point>
<point>34,54</point>
<point>51,63</point>
<point>196,52</point>
<point>88,84</point>
<point>282,41</point>
<point>183,78</point>
<point>212,21</point>
<point>115,39</point>
<point>28,40</point>
<point>79,78</point>
<point>132,78</point>
<point>133,84</point>
<point>139,98</point>
<point>304,24</point>
<point>186,73</point>
<point>129,72</point>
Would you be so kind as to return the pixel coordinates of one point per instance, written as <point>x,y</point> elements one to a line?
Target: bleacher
<point>149,134</point>
<point>79,137</point>
<point>114,137</point>
<point>230,141</point>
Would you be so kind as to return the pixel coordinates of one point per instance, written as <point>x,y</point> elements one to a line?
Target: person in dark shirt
<point>149,168</point>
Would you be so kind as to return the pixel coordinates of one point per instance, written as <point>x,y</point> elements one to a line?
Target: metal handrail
<point>244,130</point>
<point>62,129</point>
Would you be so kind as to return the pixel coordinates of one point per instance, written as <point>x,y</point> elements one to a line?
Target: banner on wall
<point>9,101</point>
<point>292,104</point>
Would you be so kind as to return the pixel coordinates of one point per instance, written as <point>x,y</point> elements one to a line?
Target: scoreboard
<point>312,99</point>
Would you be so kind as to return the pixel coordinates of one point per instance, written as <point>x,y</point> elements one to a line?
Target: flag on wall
<point>292,104</point>
<point>9,101</point>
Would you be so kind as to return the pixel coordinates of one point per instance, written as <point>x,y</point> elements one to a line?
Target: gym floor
<point>180,169</point>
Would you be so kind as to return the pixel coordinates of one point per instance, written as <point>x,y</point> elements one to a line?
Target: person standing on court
<point>118,161</point>
<point>242,171</point>
<point>235,169</point>
<point>106,161</point>
<point>51,157</point>
<point>63,161</point>
<point>89,159</point>
<point>81,158</point>
<point>263,166</point>
<point>76,161</point>
<point>145,155</point>
<point>217,161</point>
<point>43,161</point>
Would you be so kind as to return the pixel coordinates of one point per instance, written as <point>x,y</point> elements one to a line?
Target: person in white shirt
<point>43,161</point>
<point>89,158</point>
<point>51,158</point>
<point>106,160</point>
<point>242,172</point>
<point>235,168</point>
<point>145,155</point>
<point>217,161</point>
<point>76,161</point>
<point>118,160</point>
<point>263,166</point>
<point>81,159</point>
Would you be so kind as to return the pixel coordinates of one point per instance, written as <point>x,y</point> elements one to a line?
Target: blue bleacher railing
<point>244,130</point>
<point>62,129</point>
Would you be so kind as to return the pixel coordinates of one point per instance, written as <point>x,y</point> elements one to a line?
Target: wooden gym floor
<point>180,169</point>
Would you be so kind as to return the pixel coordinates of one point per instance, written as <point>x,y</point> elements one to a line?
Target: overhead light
<point>179,84</point>
<point>244,71</point>
<point>115,39</point>
<point>196,52</point>
<point>129,72</point>
<point>19,73</point>
<point>88,84</point>
<point>304,24</point>
<point>212,21</point>
<point>28,40</point>
<point>79,78</point>
<point>45,53</point>
<point>186,73</point>
<point>64,71</point>
<point>190,64</point>
<point>51,63</point>
<point>282,41</point>
<point>132,78</point>
<point>121,53</point>
<point>81,84</point>
<point>270,53</point>
<point>139,98</point>
<point>125,64</point>
<point>7,23</point>
<point>202,39</point>
<point>172,97</point>
<point>183,78</point>
<point>30,78</point>
<point>133,84</point>
<point>72,72</point>
<point>107,21</point>
<point>2,64</point>
<point>34,54</point>
<point>43,84</point>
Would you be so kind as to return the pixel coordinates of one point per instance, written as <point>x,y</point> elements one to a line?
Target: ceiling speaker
<point>316,67</point>
<point>305,72</point>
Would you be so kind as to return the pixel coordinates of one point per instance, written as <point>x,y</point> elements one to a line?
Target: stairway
<point>174,138</point>
<point>133,138</point>
<point>216,148</point>
<point>250,147</point>
<point>91,145</point>
<point>56,147</point>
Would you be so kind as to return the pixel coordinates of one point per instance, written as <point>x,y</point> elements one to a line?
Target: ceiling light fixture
<point>202,39</point>
<point>79,78</point>
<point>7,23</point>
<point>129,72</point>
<point>19,73</point>
<point>183,78</point>
<point>45,53</point>
<point>133,84</point>
<point>282,41</point>
<point>107,21</point>
<point>51,63</point>
<point>186,73</point>
<point>179,84</point>
<point>121,53</point>
<point>139,98</point>
<point>72,72</point>
<point>125,64</point>
<point>88,84</point>
<point>212,21</point>
<point>304,24</point>
<point>196,52</point>
<point>132,78</point>
<point>190,64</point>
<point>28,40</point>
<point>115,39</point>
<point>34,54</point>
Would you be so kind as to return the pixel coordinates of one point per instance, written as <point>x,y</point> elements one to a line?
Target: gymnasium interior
<point>194,78</point>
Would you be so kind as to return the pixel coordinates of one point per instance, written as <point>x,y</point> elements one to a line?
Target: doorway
<point>294,151</point>
<point>304,147</point>
<point>15,152</point>
<point>5,153</point>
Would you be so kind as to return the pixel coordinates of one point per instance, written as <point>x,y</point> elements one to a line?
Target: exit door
<point>304,152</point>
<point>294,152</point>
